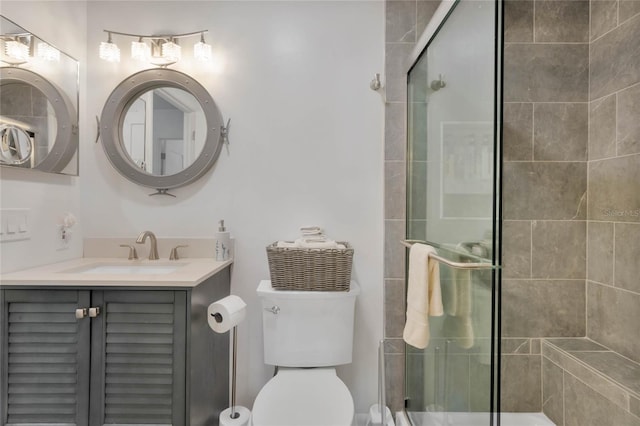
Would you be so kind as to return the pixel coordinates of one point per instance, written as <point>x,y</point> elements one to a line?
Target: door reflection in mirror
<point>164,130</point>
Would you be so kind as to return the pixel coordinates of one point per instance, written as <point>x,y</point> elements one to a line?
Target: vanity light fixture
<point>109,51</point>
<point>160,50</point>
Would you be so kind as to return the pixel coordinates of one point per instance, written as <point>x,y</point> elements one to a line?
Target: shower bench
<point>582,378</point>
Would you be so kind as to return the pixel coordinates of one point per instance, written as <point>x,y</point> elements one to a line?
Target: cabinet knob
<point>94,312</point>
<point>81,313</point>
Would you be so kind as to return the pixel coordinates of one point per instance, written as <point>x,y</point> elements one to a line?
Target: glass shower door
<point>452,205</point>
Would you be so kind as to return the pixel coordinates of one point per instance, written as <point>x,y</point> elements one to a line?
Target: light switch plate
<point>15,224</point>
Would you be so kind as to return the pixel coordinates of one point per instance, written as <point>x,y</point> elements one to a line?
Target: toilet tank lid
<point>265,289</point>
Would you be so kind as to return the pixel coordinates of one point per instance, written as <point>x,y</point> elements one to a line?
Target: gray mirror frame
<point>67,140</point>
<point>113,117</point>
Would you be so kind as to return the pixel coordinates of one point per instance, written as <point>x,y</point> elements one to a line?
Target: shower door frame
<point>438,20</point>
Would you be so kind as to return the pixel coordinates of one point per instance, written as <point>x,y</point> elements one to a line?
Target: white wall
<point>49,196</point>
<point>306,147</point>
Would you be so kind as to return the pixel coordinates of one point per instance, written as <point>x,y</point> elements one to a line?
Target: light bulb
<point>140,50</point>
<point>109,51</point>
<point>171,51</point>
<point>48,52</point>
<point>16,50</point>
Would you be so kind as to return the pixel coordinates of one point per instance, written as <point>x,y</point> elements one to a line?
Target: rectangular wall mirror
<point>38,103</point>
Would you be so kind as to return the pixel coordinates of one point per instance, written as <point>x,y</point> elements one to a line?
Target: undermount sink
<point>128,268</point>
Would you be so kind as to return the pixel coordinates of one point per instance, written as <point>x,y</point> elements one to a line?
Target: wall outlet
<point>63,237</point>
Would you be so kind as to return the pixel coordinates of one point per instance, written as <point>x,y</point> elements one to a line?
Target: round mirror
<point>160,128</point>
<point>35,115</point>
<point>164,130</point>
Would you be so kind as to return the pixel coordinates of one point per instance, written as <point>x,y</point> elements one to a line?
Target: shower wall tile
<point>394,252</point>
<point>628,9</point>
<point>400,21</point>
<point>536,346</point>
<point>546,72</point>
<point>517,137</point>
<point>602,128</point>
<point>521,383</point>
<point>600,252</point>
<point>396,64</point>
<point>552,391</point>
<point>585,407</point>
<point>394,132</point>
<point>561,131</point>
<point>394,308</point>
<point>559,249</point>
<point>634,406</point>
<point>425,11</point>
<point>516,249</point>
<point>604,17</point>
<point>394,381</point>
<point>627,258</point>
<point>628,123</point>
<point>612,319</point>
<point>615,59</point>
<point>543,308</point>
<point>516,346</point>
<point>544,190</point>
<point>518,21</point>
<point>394,346</point>
<point>561,21</point>
<point>614,189</point>
<point>395,184</point>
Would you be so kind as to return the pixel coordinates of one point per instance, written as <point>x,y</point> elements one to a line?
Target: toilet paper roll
<point>241,420</point>
<point>226,313</point>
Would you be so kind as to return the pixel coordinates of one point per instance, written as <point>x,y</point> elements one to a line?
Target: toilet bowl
<point>306,334</point>
<point>304,397</point>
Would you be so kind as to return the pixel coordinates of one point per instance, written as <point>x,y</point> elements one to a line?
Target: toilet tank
<point>307,328</point>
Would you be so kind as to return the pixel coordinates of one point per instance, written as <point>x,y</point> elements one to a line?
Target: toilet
<point>306,334</point>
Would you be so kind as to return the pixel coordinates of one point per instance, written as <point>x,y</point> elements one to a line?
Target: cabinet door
<point>45,357</point>
<point>138,358</point>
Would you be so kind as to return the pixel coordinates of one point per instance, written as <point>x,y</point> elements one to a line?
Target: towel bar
<point>458,265</point>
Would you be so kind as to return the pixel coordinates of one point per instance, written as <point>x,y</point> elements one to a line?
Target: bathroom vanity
<point>98,341</point>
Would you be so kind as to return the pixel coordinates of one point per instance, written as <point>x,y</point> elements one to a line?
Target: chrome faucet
<point>153,249</point>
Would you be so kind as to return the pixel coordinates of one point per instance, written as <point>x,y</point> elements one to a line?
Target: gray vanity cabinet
<point>147,356</point>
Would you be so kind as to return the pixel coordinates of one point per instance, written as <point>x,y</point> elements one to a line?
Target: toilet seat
<point>303,397</point>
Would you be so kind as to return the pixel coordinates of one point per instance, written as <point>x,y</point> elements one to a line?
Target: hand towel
<point>423,295</point>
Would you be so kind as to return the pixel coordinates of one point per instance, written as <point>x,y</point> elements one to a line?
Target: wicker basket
<point>310,269</point>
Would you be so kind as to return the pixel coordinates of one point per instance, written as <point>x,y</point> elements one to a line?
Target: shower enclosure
<point>453,184</point>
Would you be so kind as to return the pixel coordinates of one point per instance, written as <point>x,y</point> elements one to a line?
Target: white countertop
<point>190,273</point>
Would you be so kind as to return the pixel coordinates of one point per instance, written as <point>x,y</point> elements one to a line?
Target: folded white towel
<point>316,243</point>
<point>423,295</point>
<point>311,230</point>
<point>287,244</point>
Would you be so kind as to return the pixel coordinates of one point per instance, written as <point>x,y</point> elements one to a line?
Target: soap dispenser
<point>223,243</point>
